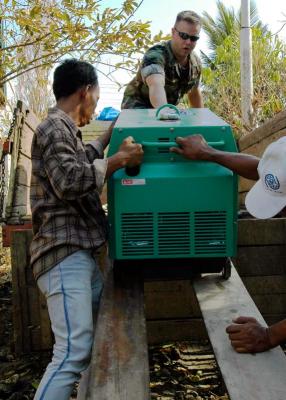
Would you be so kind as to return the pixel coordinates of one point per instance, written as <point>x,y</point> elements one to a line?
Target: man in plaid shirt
<point>69,223</point>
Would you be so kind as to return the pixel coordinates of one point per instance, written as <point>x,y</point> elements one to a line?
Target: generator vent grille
<point>210,232</point>
<point>137,234</point>
<point>174,233</point>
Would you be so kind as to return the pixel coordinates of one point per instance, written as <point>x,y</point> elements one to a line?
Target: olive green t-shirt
<point>160,59</point>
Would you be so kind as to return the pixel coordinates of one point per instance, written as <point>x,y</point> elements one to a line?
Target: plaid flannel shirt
<point>67,177</point>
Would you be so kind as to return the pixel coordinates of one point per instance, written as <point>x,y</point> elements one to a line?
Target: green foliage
<point>226,21</point>
<point>79,28</point>
<point>222,79</point>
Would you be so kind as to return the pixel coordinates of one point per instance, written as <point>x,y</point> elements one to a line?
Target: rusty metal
<point>8,229</point>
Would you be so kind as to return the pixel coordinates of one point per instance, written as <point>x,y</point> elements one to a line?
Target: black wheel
<point>226,272</point>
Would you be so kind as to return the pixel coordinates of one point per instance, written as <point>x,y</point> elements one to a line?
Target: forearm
<point>277,333</point>
<point>95,148</point>
<point>114,163</point>
<point>157,95</point>
<point>105,137</point>
<point>195,98</point>
<point>243,164</point>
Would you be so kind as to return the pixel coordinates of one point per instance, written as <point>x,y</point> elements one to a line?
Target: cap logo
<point>272,182</point>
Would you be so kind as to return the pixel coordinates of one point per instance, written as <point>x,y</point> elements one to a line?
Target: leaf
<point>36,10</point>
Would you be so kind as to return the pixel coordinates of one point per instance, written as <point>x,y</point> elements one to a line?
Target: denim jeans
<point>72,289</point>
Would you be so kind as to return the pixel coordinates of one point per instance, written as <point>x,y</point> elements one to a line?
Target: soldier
<point>170,69</point>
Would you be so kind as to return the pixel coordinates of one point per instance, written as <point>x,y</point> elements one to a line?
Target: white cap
<point>268,196</point>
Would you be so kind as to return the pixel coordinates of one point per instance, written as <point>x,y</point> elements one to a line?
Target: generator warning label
<point>133,182</point>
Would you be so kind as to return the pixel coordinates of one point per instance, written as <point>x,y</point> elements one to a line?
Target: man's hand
<point>193,147</point>
<point>131,152</point>
<point>248,336</point>
<point>168,113</point>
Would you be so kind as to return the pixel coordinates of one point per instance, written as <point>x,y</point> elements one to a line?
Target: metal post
<point>246,65</point>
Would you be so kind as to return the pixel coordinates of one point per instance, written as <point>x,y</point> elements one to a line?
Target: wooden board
<point>175,330</point>
<point>94,129</point>
<point>26,139</point>
<point>247,377</point>
<point>18,199</point>
<point>32,329</point>
<point>272,126</point>
<point>47,338</point>
<point>270,304</point>
<point>21,313</point>
<point>265,285</point>
<point>170,299</point>
<point>31,120</point>
<point>261,231</point>
<point>261,260</point>
<point>257,149</point>
<point>245,184</point>
<point>274,318</point>
<point>119,367</point>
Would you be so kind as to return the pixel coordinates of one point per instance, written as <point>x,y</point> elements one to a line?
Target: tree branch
<point>16,46</point>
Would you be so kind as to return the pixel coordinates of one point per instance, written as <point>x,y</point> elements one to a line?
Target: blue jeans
<point>72,289</point>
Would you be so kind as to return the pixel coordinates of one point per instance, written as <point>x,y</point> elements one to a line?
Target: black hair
<point>71,75</point>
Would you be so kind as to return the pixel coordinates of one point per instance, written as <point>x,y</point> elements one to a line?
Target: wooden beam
<point>247,377</point>
<point>21,314</point>
<point>274,125</point>
<point>262,232</point>
<point>170,299</point>
<point>259,261</point>
<point>119,367</point>
<point>176,330</point>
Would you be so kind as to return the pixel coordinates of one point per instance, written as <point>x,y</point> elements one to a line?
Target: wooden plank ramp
<point>119,368</point>
<point>246,376</point>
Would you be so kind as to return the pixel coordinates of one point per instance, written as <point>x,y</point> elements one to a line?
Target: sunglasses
<point>185,36</point>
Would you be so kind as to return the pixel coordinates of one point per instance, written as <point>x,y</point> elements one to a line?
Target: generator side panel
<point>176,216</point>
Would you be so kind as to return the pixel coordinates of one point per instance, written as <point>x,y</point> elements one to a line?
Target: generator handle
<point>167,106</point>
<point>219,143</point>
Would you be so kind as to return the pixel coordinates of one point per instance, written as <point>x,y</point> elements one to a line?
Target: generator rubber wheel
<point>226,272</point>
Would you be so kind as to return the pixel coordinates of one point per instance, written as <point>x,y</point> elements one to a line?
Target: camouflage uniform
<point>160,59</point>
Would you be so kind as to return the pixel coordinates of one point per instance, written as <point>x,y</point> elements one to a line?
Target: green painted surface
<point>173,208</point>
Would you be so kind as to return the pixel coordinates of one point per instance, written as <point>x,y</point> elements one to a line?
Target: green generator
<point>173,208</point>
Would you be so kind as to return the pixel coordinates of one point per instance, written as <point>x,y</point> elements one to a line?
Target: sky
<point>162,13</point>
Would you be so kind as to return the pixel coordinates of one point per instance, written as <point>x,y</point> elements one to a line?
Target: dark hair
<point>189,16</point>
<point>71,75</point>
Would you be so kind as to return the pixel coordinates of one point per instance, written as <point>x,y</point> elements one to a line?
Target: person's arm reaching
<point>105,137</point>
<point>95,148</point>
<point>195,97</point>
<point>196,148</point>
<point>157,94</point>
